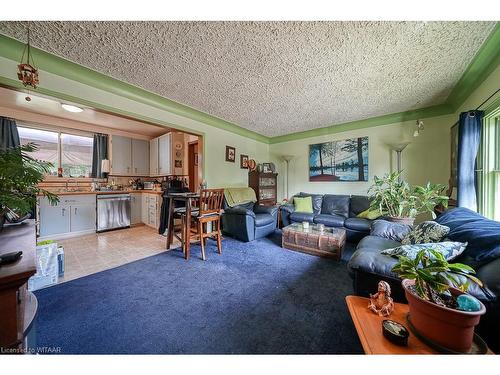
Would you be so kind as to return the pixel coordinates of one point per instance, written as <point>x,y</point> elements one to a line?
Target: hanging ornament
<point>27,73</point>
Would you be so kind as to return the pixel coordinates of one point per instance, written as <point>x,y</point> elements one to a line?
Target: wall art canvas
<point>345,160</point>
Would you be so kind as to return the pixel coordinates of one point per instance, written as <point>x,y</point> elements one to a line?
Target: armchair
<point>249,221</point>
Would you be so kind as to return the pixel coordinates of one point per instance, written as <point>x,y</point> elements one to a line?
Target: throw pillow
<point>370,214</point>
<point>450,250</point>
<point>303,204</point>
<point>389,230</point>
<point>426,232</point>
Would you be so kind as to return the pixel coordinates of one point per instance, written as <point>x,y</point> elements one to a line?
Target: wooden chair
<point>209,211</point>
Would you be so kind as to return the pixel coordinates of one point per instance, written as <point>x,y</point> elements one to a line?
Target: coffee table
<point>369,328</point>
<point>326,243</point>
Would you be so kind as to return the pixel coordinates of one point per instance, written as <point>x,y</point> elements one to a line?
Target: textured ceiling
<point>274,78</point>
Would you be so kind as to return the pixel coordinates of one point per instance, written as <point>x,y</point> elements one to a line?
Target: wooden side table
<point>369,328</point>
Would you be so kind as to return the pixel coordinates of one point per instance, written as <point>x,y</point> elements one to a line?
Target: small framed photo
<point>178,163</point>
<point>230,154</point>
<point>244,161</point>
<point>266,168</point>
<point>196,158</point>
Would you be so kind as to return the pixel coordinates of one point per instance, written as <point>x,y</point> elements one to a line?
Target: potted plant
<point>399,201</point>
<point>439,308</point>
<point>19,177</point>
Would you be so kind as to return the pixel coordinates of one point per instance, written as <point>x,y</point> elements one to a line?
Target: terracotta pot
<point>450,328</point>
<point>402,220</point>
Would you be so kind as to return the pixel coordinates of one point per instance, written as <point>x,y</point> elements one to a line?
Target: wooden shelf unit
<point>265,186</point>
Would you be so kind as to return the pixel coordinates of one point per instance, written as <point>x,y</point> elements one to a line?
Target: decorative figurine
<point>381,302</point>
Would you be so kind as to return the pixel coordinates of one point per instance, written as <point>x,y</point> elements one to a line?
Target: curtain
<point>9,136</point>
<point>469,136</point>
<point>99,153</point>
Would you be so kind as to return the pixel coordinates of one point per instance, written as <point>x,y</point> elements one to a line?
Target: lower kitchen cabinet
<point>135,208</point>
<point>151,205</point>
<point>73,214</point>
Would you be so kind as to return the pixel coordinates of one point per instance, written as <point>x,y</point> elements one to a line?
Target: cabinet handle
<point>63,210</point>
<point>135,170</point>
<point>75,210</point>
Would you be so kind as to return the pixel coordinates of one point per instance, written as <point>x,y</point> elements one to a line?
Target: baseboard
<point>62,236</point>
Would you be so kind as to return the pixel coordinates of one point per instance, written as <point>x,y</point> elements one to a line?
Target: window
<point>71,152</point>
<point>489,166</point>
<point>76,155</point>
<point>47,142</point>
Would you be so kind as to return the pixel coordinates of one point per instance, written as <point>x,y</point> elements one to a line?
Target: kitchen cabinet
<point>135,208</point>
<point>140,157</point>
<point>72,214</point>
<point>151,206</point>
<point>153,157</point>
<point>121,155</point>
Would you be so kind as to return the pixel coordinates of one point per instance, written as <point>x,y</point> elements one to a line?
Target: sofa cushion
<point>303,204</point>
<point>359,203</point>
<point>357,223</point>
<point>299,217</point>
<point>368,257</point>
<point>263,219</point>
<point>482,234</point>
<point>317,199</point>
<point>335,205</point>
<point>389,230</point>
<point>426,232</point>
<point>450,250</point>
<point>330,220</point>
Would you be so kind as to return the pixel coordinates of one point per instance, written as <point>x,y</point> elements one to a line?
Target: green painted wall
<point>218,173</point>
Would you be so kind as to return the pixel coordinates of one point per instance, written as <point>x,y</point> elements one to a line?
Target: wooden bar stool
<point>209,211</point>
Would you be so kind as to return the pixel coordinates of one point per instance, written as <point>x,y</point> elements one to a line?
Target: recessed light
<point>71,108</point>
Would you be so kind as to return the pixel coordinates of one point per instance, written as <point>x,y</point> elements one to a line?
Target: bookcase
<point>265,187</point>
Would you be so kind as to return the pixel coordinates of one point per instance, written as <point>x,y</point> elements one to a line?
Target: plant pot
<point>450,328</point>
<point>402,220</point>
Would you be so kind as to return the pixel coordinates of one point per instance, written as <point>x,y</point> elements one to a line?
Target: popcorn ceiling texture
<point>274,78</point>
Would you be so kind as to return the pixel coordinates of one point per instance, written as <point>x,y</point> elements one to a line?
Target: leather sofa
<point>338,211</point>
<point>249,221</point>
<point>368,266</point>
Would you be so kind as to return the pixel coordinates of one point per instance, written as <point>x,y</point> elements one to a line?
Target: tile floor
<point>97,252</point>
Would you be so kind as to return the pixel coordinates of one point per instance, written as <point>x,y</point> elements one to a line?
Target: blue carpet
<point>254,298</point>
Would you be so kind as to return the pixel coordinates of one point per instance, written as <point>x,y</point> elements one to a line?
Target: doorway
<point>193,164</point>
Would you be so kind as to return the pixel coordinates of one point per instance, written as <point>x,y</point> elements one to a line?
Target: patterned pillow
<point>450,250</point>
<point>426,232</point>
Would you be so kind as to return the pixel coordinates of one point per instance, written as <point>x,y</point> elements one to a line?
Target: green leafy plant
<point>397,198</point>
<point>20,174</point>
<point>433,274</point>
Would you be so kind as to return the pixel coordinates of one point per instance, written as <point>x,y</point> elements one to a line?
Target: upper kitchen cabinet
<point>140,157</point>
<point>121,155</point>
<point>161,155</point>
<point>129,157</point>
<point>153,157</point>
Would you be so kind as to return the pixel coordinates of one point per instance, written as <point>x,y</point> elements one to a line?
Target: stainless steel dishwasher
<point>113,211</point>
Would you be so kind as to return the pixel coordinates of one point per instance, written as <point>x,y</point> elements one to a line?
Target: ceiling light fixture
<point>72,108</point>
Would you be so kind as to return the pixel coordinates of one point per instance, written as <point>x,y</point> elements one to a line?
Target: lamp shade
<point>104,166</point>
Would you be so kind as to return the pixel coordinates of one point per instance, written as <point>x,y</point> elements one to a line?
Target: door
<point>140,157</point>
<point>82,217</point>
<point>136,208</point>
<point>193,165</point>
<point>153,157</point>
<point>121,155</point>
<point>54,220</point>
<point>164,155</point>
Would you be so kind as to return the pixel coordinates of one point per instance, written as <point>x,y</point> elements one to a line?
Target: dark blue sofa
<point>338,211</point>
<point>249,221</point>
<point>367,266</point>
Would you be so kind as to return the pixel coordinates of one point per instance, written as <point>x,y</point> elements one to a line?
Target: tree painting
<point>345,160</point>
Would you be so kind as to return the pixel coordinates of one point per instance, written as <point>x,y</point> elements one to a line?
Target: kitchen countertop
<point>107,192</point>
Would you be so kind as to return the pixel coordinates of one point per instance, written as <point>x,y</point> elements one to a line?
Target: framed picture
<point>195,158</point>
<point>345,160</point>
<point>178,163</point>
<point>267,168</point>
<point>243,161</point>
<point>230,154</point>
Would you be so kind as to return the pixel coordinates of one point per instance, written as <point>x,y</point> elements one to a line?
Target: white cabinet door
<point>153,157</point>
<point>140,157</point>
<point>54,219</point>
<point>121,155</point>
<point>135,208</point>
<point>145,208</point>
<point>83,217</point>
<point>165,155</point>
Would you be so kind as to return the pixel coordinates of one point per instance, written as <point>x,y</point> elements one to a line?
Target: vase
<point>402,220</point>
